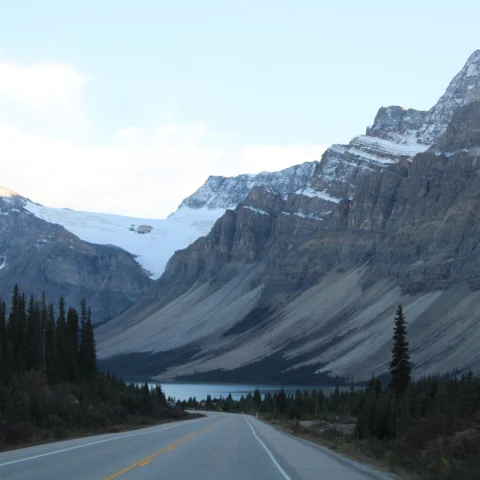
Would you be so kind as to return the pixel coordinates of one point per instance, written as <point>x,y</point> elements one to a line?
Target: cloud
<point>47,89</point>
<point>138,171</point>
<point>139,178</point>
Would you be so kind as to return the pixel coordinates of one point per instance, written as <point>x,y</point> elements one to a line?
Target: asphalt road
<point>220,446</point>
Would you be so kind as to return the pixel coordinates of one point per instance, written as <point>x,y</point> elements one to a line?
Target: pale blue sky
<point>281,77</point>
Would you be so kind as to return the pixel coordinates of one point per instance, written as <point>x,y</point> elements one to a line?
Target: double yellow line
<point>147,460</point>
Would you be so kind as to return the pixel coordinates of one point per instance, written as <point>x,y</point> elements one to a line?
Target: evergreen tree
<point>33,336</point>
<point>228,405</point>
<point>72,329</point>
<point>87,348</point>
<point>43,322</point>
<point>400,366</point>
<point>257,399</point>
<point>4,368</point>
<point>281,402</point>
<point>16,330</point>
<point>52,367</point>
<point>62,340</point>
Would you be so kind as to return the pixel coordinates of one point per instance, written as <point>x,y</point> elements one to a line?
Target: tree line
<point>34,338</point>
<point>50,385</point>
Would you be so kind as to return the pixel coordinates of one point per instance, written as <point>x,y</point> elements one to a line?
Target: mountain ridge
<point>141,246</point>
<point>329,244</point>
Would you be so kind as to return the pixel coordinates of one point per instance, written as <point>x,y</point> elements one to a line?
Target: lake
<point>182,391</point>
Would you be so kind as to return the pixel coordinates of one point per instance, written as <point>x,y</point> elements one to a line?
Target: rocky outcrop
<point>398,124</point>
<point>315,276</point>
<point>42,256</point>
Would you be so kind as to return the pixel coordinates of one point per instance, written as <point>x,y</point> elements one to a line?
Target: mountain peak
<point>462,90</point>
<point>472,66</point>
<point>409,126</point>
<point>466,84</point>
<point>6,192</point>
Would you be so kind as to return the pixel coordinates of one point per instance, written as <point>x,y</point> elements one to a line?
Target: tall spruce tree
<point>52,367</point>
<point>87,349</point>
<point>43,322</point>
<point>16,330</point>
<point>3,343</point>
<point>62,340</point>
<point>72,367</point>
<point>400,366</point>
<point>33,336</point>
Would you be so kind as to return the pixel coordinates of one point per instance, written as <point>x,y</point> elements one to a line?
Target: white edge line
<point>94,443</point>
<point>278,467</point>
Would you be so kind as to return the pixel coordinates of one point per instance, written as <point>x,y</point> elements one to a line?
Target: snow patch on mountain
<point>312,193</point>
<point>388,147</point>
<point>256,210</point>
<point>308,215</point>
<point>153,249</point>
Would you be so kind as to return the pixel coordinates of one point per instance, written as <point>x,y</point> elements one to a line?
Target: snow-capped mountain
<point>413,127</point>
<point>45,257</point>
<point>154,241</point>
<point>396,134</point>
<point>228,192</point>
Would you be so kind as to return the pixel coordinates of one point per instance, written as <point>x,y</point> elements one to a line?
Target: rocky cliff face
<point>315,276</point>
<point>42,256</point>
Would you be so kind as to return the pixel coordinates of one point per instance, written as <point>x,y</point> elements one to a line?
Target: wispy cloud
<point>48,89</point>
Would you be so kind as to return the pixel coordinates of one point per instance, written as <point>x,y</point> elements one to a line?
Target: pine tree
<point>62,340</point>
<point>43,323</point>
<point>52,367</point>
<point>16,330</point>
<point>228,403</point>
<point>33,336</point>
<point>257,399</point>
<point>281,402</point>
<point>400,366</point>
<point>3,343</point>
<point>72,329</point>
<point>87,349</point>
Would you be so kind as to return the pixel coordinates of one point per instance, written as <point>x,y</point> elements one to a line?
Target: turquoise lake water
<point>182,391</point>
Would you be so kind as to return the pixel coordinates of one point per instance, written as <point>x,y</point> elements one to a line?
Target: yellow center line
<point>147,460</point>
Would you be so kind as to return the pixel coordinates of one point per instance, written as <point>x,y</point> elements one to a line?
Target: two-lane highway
<point>219,446</point>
